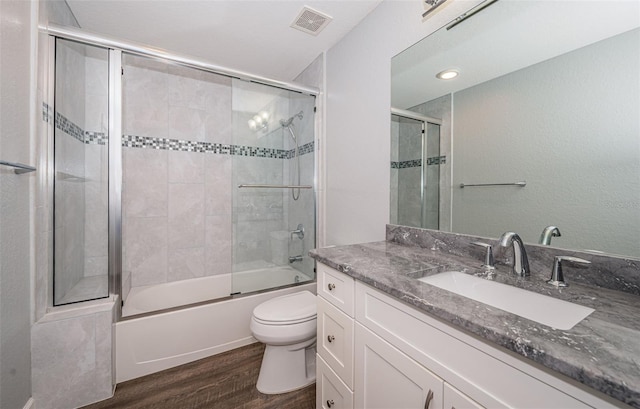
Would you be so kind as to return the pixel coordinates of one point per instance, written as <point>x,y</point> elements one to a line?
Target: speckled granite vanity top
<point>602,351</point>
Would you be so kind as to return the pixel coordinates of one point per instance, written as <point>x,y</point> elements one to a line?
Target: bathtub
<point>158,297</point>
<point>156,342</point>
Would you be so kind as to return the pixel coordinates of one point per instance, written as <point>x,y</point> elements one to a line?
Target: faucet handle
<point>299,231</point>
<point>557,278</point>
<point>488,257</point>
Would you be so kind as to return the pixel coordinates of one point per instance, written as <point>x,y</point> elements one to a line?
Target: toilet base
<point>287,368</point>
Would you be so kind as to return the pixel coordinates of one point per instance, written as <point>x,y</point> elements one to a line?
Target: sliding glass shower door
<point>273,167</point>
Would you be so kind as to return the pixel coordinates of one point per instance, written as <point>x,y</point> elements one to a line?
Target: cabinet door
<point>335,340</point>
<point>331,392</point>
<point>454,399</point>
<point>387,378</point>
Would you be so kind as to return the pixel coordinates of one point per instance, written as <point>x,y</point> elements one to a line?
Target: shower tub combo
<point>214,209</point>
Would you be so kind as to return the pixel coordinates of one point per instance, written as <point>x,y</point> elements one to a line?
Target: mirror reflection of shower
<point>295,193</point>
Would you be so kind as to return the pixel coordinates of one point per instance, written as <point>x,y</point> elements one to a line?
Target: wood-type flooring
<point>223,381</point>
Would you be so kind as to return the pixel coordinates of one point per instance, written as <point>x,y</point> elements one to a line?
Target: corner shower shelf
<point>19,168</point>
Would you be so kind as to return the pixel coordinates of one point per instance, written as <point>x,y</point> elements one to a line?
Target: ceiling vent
<point>310,21</point>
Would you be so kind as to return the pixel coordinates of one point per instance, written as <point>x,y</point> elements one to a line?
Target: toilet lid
<point>290,308</point>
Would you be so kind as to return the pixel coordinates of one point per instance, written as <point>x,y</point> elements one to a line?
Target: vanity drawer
<point>337,288</point>
<point>331,392</point>
<point>335,340</point>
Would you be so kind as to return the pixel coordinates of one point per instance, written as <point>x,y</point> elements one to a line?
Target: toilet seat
<point>300,321</point>
<point>289,309</point>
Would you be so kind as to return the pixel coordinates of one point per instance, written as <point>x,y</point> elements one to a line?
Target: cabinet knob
<point>331,286</point>
<point>429,399</point>
<point>330,403</point>
<point>330,338</point>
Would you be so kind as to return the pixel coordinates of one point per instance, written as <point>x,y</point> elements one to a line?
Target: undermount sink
<point>543,309</point>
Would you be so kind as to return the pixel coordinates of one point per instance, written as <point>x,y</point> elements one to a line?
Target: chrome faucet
<point>548,233</point>
<point>293,259</point>
<point>520,260</point>
<point>299,231</point>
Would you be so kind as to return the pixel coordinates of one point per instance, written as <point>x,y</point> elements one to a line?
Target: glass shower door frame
<point>425,120</point>
<point>114,173</point>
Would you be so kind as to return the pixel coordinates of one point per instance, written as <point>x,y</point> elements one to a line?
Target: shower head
<point>287,123</point>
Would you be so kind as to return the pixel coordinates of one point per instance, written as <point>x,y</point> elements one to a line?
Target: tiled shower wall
<point>184,132</point>
<point>176,204</point>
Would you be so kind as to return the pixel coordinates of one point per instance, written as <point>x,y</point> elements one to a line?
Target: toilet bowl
<point>287,325</point>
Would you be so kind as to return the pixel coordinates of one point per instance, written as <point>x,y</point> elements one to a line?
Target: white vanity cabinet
<point>391,355</point>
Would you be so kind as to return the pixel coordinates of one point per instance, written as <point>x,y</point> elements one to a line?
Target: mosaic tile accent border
<point>135,141</point>
<point>406,164</point>
<point>93,138</point>
<point>303,150</point>
<point>70,128</point>
<point>416,163</point>
<point>47,112</point>
<point>437,160</point>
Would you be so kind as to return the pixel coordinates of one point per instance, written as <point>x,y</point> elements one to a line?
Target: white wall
<point>15,202</point>
<point>358,116</point>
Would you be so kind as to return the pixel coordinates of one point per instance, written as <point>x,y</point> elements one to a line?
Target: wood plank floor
<point>222,381</point>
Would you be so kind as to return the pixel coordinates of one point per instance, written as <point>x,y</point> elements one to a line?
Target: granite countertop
<point>602,351</point>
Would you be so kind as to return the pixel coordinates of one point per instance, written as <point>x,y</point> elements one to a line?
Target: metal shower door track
<point>75,34</point>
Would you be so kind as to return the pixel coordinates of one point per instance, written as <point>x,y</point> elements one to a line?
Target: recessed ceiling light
<point>447,74</point>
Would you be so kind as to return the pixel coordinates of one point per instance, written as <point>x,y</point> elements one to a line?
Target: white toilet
<point>287,325</point>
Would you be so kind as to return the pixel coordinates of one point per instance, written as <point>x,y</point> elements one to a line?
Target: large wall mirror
<point>541,127</point>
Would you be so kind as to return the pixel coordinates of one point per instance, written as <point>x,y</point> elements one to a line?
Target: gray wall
<point>583,122</point>
<point>15,204</point>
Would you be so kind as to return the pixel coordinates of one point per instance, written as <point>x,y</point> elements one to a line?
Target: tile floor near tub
<point>223,381</point>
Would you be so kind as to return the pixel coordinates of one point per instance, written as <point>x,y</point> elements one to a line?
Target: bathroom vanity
<point>388,340</point>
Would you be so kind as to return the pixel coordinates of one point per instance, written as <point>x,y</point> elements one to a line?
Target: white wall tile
<point>186,167</point>
<point>146,250</point>
<point>186,216</point>
<point>71,360</point>
<point>186,263</point>
<point>140,199</point>
<point>187,123</point>
<point>218,246</point>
